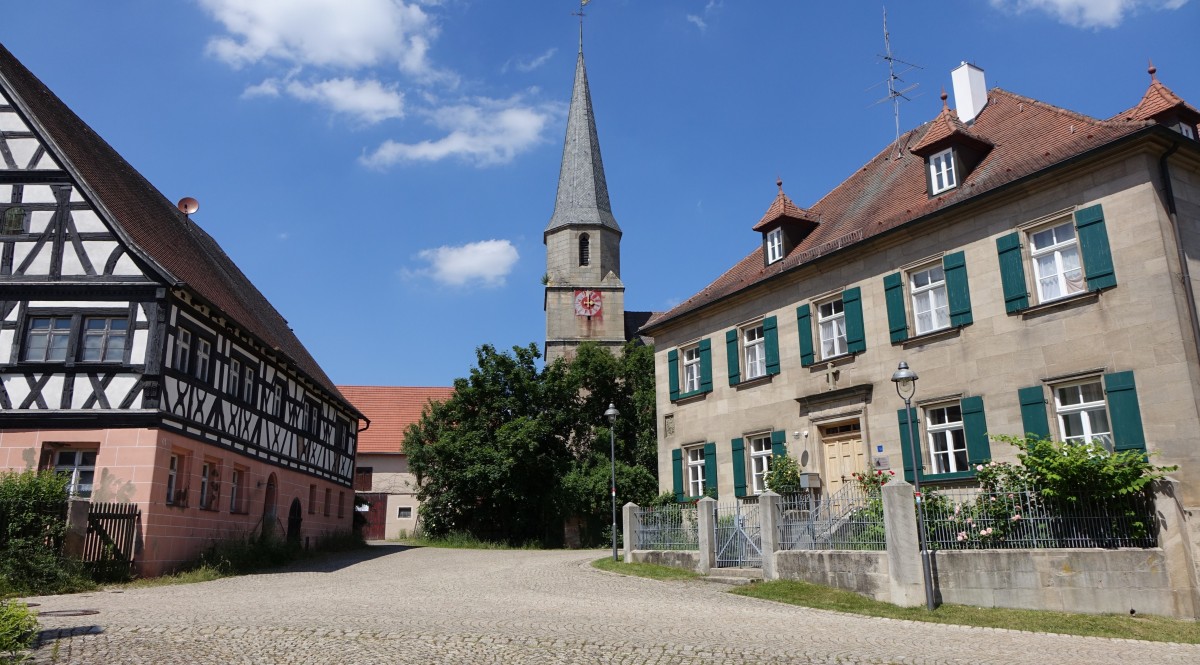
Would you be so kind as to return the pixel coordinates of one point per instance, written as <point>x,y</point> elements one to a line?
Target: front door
<point>843,448</point>
<point>376,515</point>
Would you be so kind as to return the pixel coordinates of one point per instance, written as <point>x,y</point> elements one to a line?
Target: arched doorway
<point>269,518</point>
<point>294,522</point>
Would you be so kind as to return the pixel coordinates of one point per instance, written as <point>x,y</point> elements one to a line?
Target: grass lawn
<point>1139,627</point>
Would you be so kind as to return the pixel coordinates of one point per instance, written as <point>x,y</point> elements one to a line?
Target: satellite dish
<point>188,205</point>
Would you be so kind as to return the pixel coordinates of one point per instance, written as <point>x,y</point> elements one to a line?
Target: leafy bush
<point>33,510</point>
<point>1070,471</point>
<point>18,629</point>
<point>784,474</point>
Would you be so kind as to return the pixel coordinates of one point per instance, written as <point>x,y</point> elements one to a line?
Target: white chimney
<point>970,91</point>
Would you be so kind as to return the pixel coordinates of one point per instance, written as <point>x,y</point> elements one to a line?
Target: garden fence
<point>673,527</point>
<point>849,519</point>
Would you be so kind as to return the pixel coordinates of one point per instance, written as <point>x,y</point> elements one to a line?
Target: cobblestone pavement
<point>420,606</point>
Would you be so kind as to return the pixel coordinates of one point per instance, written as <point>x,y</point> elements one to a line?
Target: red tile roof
<point>391,410</point>
<point>891,190</point>
<point>783,208</point>
<point>944,128</point>
<point>179,250</point>
<point>1158,99</point>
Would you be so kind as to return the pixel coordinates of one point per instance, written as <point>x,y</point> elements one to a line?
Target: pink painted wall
<point>132,467</point>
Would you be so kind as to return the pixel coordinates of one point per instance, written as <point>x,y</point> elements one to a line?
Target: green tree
<point>516,450</point>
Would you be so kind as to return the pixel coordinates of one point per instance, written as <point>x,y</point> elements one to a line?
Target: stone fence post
<point>903,544</point>
<point>706,519</point>
<point>629,517</point>
<point>768,515</point>
<point>77,522</point>
<point>1177,549</point>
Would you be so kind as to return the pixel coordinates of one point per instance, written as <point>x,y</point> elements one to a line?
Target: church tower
<point>585,299</point>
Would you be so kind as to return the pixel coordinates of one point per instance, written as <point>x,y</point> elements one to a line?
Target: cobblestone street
<point>422,606</point>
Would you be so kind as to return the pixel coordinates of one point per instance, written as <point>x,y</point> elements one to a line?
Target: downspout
<point>1185,274</point>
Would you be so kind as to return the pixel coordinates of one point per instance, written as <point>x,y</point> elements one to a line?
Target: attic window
<point>1186,130</point>
<point>941,172</point>
<point>774,245</point>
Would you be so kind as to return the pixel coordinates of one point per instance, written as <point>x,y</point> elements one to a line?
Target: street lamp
<point>612,414</point>
<point>906,386</point>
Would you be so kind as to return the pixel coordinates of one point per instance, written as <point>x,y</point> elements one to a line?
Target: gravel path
<point>420,606</point>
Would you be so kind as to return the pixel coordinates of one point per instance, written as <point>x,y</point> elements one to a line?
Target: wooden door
<point>843,457</point>
<point>376,515</point>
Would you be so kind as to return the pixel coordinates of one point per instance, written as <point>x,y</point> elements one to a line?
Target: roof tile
<point>391,409</point>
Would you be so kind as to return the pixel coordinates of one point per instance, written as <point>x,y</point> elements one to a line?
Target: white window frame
<point>774,245</point>
<point>1186,130</point>
<point>207,475</point>
<point>235,490</point>
<point>81,476</point>
<point>935,295</point>
<point>754,351</point>
<point>831,329</point>
<point>248,376</point>
<point>946,441</point>
<point>760,462</point>
<point>695,470</point>
<point>203,355</point>
<point>182,350</point>
<point>401,510</point>
<point>941,171</point>
<point>106,334</point>
<point>235,378</point>
<point>1058,253</point>
<point>691,369</point>
<point>1093,418</point>
<point>172,478</point>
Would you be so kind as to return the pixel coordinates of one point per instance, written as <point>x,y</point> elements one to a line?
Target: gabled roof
<point>782,209</point>
<point>890,190</point>
<point>582,190</point>
<point>162,236</point>
<point>943,131</point>
<point>1158,100</point>
<point>391,409</point>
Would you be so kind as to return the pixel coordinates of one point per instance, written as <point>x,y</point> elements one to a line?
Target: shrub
<point>784,474</point>
<point>18,629</point>
<point>32,525</point>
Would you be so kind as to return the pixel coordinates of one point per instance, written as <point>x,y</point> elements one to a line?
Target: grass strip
<point>650,570</point>
<point>466,541</point>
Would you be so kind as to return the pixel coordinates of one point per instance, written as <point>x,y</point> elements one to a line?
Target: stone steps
<point>734,576</point>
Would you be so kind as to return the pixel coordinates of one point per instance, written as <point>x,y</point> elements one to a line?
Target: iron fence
<point>667,528</point>
<point>738,533</point>
<point>850,519</point>
<point>1027,519</point>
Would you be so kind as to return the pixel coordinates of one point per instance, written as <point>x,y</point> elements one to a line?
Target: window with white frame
<point>941,171</point>
<point>695,471</point>
<point>947,439</point>
<point>760,462</point>
<point>691,369</point>
<point>236,478</point>
<point>831,321</point>
<point>208,473</point>
<point>173,479</point>
<point>183,350</point>
<point>404,512</point>
<point>1082,413</point>
<point>47,338</point>
<point>1057,270</point>
<point>235,378</point>
<point>1186,130</point>
<point>754,347</point>
<point>931,308</point>
<point>774,245</point>
<point>203,354</point>
<point>248,384</point>
<point>79,466</point>
<point>104,339</point>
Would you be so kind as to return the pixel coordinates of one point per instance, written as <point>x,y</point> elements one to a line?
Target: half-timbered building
<point>138,359</point>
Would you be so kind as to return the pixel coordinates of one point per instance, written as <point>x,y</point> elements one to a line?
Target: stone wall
<point>685,560</point>
<point>862,572</point>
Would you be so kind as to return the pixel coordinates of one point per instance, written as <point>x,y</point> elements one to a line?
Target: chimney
<point>970,91</point>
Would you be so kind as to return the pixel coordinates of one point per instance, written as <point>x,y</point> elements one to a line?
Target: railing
<point>738,533</point>
<point>667,528</point>
<point>850,519</point>
<point>971,519</point>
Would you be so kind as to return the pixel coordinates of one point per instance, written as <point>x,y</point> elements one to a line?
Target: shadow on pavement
<point>335,561</point>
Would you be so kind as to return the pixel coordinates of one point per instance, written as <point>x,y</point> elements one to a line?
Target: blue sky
<point>383,169</point>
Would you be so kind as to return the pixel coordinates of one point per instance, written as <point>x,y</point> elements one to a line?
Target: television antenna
<point>895,84</point>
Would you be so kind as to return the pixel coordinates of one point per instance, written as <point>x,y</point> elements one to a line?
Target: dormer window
<point>941,172</point>
<point>585,250</point>
<point>1186,130</point>
<point>774,245</point>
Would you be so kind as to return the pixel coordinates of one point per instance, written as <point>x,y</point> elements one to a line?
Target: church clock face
<point>587,302</point>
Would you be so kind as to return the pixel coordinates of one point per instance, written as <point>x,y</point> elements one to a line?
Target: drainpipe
<point>1184,271</point>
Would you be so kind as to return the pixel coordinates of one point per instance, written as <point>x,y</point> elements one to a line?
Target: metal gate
<point>375,513</point>
<point>111,537</point>
<point>738,527</point>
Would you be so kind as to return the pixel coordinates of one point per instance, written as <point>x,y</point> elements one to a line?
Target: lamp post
<point>612,414</point>
<point>906,386</point>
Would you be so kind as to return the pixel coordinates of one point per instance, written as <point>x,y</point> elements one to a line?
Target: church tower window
<point>585,250</point>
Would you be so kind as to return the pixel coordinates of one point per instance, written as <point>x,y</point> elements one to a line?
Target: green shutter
<point>957,291</point>
<point>975,431</point>
<point>1124,411</point>
<point>673,373</point>
<point>705,366</point>
<point>738,448</point>
<point>677,473</point>
<point>1012,272</point>
<point>1033,412</point>
<point>893,295</point>
<point>731,356</point>
<point>710,469</point>
<point>1093,244</point>
<point>905,441</point>
<point>856,338</point>
<point>779,443</point>
<point>804,323</point>
<point>771,342</point>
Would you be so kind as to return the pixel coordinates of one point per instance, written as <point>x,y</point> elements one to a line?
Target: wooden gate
<point>108,548</point>
<point>376,514</point>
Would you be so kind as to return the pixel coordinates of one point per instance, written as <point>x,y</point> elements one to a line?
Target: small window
<point>176,472</point>
<point>47,338</point>
<point>362,478</point>
<point>1057,269</point>
<point>208,486</point>
<point>947,439</point>
<point>760,462</point>
<point>14,220</point>
<point>691,369</point>
<point>585,249</point>
<point>183,350</point>
<point>328,501</point>
<point>104,339</point>
<point>235,378</point>
<point>404,512</point>
<point>248,384</point>
<point>831,321</point>
<point>312,499</point>
<point>695,471</point>
<point>236,490</point>
<point>1082,413</point>
<point>341,504</point>
<point>754,347</point>
<point>203,354</point>
<point>931,309</point>
<point>314,420</point>
<point>79,466</point>
<point>1184,128</point>
<point>941,171</point>
<point>774,245</point>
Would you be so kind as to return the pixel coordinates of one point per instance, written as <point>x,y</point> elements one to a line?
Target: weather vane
<point>895,95</point>
<point>580,14</point>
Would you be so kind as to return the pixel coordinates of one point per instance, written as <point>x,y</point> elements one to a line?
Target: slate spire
<point>582,191</point>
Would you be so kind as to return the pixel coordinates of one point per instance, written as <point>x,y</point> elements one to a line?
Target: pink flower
<point>986,532</point>
<point>962,535</point>
<point>1016,518</point>
<point>971,521</point>
<point>979,467</point>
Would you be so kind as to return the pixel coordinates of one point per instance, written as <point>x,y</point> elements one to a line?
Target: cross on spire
<point>580,14</point>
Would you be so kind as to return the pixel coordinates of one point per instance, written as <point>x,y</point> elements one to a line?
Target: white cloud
<point>369,101</point>
<point>701,20</point>
<point>1087,13</point>
<point>483,132</point>
<point>487,262</point>
<point>530,64</point>
<point>697,21</point>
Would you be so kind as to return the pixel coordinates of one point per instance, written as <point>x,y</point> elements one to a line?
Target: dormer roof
<point>944,131</point>
<point>1159,100</point>
<point>782,210</point>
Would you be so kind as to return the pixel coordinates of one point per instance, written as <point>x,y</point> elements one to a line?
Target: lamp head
<point>612,413</point>
<point>905,380</point>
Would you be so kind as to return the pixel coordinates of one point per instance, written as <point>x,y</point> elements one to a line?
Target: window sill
<point>1077,300</point>
<point>685,398</point>
<point>756,381</point>
<point>835,361</point>
<point>947,477</point>
<point>930,337</point>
